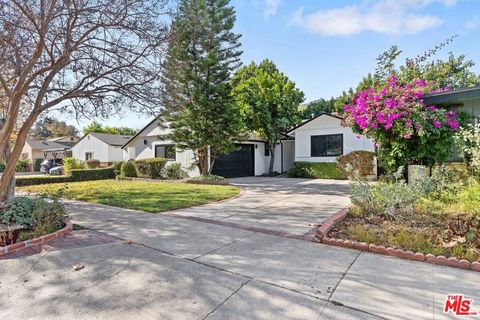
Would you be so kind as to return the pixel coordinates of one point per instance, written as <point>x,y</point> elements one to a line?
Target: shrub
<point>18,212</point>
<point>318,170</point>
<point>71,163</point>
<point>150,168</point>
<point>117,166</point>
<point>92,164</point>
<point>468,140</point>
<point>37,164</point>
<point>2,166</point>
<point>92,174</point>
<point>48,216</point>
<point>127,169</point>
<point>208,177</point>
<point>360,162</point>
<point>22,165</point>
<point>174,171</point>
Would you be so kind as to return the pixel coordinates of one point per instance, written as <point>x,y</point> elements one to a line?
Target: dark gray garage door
<point>239,163</point>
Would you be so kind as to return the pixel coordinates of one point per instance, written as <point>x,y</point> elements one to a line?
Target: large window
<point>326,145</point>
<point>166,151</point>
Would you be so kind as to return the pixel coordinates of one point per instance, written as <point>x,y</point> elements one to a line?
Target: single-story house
<point>35,150</point>
<point>101,146</point>
<point>250,159</point>
<point>324,139</point>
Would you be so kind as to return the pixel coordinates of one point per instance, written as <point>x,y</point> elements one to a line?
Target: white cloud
<point>472,24</point>
<point>391,17</point>
<point>271,7</point>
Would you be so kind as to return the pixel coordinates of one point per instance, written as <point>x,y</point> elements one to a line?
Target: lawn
<point>138,195</point>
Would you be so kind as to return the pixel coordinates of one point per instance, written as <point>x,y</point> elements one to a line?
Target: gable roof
<point>43,144</point>
<point>452,96</point>
<point>116,140</point>
<point>139,132</point>
<point>309,120</point>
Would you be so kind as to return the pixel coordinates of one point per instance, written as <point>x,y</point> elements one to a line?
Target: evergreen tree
<point>198,105</point>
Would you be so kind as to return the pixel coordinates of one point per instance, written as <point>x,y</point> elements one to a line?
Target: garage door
<point>239,163</point>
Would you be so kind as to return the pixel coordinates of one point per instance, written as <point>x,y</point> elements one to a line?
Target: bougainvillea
<point>405,130</point>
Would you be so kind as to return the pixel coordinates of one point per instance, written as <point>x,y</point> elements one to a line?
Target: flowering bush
<point>403,127</point>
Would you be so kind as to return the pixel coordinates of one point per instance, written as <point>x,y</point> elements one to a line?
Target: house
<point>101,146</point>
<point>323,139</point>
<point>251,157</point>
<point>35,150</point>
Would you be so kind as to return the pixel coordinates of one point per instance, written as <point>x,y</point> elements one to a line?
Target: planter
<point>417,172</point>
<point>9,234</point>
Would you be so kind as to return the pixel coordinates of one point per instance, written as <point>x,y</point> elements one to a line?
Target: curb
<point>19,246</point>
<point>328,224</point>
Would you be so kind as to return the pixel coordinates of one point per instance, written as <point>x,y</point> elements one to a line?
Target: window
<point>88,156</point>
<point>267,149</point>
<point>326,146</point>
<point>166,151</point>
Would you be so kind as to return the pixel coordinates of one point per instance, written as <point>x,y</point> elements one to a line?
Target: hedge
<point>127,169</point>
<point>150,168</point>
<point>75,175</point>
<point>37,164</point>
<point>317,170</point>
<point>361,162</point>
<point>92,163</point>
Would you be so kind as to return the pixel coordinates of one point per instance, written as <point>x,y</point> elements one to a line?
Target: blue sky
<point>327,46</point>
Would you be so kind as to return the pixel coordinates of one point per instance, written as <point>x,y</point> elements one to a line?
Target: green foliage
<point>127,169</point>
<point>208,177</point>
<point>174,171</point>
<point>48,216</point>
<point>50,128</point>
<point>70,163</point>
<point>92,164</point>
<point>468,140</point>
<point>150,168</point>
<point>361,233</point>
<point>18,212</point>
<point>360,162</point>
<point>318,170</point>
<point>37,164</point>
<point>23,165</point>
<point>117,166</point>
<point>268,101</point>
<point>197,100</point>
<point>2,166</point>
<point>97,127</point>
<point>75,175</point>
<point>317,107</point>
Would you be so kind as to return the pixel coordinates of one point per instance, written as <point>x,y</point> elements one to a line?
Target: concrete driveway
<point>287,205</point>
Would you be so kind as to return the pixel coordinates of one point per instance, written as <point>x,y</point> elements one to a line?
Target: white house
<point>101,146</point>
<point>251,157</point>
<point>323,139</point>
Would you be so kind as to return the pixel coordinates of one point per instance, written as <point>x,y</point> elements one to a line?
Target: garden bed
<point>442,228</point>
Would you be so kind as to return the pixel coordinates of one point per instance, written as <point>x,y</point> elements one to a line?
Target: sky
<point>327,46</point>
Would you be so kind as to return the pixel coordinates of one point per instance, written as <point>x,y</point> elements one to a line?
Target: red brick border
<point>328,224</point>
<point>36,241</point>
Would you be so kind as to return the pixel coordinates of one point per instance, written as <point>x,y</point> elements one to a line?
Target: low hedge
<point>317,170</point>
<point>75,175</point>
<point>127,169</point>
<point>361,162</point>
<point>150,168</point>
<point>92,163</point>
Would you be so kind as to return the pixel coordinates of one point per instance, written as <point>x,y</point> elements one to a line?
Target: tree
<point>97,127</point>
<point>51,128</point>
<point>96,57</point>
<point>198,105</point>
<point>315,108</point>
<point>268,101</point>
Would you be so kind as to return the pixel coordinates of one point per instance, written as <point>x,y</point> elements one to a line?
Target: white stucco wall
<point>89,143</point>
<point>325,125</point>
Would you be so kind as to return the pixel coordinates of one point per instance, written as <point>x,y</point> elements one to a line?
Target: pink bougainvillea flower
<point>453,124</point>
<point>432,108</point>
<point>437,124</point>
<point>408,136</point>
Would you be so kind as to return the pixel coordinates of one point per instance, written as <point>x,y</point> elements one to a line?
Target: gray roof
<point>111,139</point>
<point>453,96</point>
<point>43,145</point>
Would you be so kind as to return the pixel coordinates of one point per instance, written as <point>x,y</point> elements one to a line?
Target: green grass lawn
<point>144,196</point>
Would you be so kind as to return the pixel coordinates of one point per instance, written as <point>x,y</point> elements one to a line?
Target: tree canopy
<point>97,127</point>
<point>268,101</point>
<point>51,128</point>
<point>198,105</point>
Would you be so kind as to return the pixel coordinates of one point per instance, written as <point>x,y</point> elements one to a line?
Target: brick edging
<point>36,241</point>
<point>328,224</point>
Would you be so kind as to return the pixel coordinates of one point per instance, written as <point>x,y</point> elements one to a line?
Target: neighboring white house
<point>249,159</point>
<point>101,146</point>
<point>323,139</point>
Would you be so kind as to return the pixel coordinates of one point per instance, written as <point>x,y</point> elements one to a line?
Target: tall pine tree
<point>198,105</point>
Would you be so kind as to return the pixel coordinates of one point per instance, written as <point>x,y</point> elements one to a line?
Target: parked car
<point>56,171</point>
<point>49,164</point>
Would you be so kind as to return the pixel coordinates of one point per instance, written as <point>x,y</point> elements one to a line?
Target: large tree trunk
<point>272,157</point>
<point>202,161</point>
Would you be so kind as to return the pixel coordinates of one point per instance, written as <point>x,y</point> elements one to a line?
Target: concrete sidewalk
<point>174,268</point>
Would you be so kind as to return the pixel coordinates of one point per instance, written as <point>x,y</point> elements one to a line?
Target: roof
<point>61,138</point>
<point>110,139</point>
<point>309,120</point>
<point>452,96</point>
<point>43,145</point>
<point>139,132</point>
